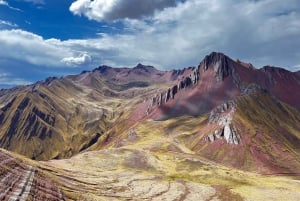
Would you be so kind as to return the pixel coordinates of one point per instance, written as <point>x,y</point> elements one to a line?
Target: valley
<point>222,130</point>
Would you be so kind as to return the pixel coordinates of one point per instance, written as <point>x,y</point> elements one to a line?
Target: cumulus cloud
<point>21,45</point>
<point>262,32</point>
<point>77,61</point>
<point>118,9</point>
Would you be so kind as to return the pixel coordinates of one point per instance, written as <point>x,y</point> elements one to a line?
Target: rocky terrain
<point>222,130</point>
<point>22,181</point>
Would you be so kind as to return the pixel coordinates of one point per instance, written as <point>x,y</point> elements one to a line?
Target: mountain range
<point>222,130</point>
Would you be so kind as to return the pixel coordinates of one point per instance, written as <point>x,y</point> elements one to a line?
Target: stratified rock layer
<point>22,182</point>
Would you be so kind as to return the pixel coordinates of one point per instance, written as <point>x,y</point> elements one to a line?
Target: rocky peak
<point>141,67</point>
<point>222,65</point>
<point>102,69</point>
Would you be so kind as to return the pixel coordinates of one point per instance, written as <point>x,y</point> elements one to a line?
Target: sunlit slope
<point>137,174</point>
<point>60,117</point>
<point>268,133</point>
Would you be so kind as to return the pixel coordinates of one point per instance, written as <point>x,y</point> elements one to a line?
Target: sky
<point>42,38</point>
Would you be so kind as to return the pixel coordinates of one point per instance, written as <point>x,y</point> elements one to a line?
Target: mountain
<point>222,79</point>
<point>69,114</point>
<point>222,130</point>
<point>228,103</point>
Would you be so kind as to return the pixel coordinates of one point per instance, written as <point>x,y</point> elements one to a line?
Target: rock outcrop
<point>222,115</point>
<point>163,97</point>
<point>251,89</point>
<point>222,66</point>
<point>168,94</point>
<point>230,135</point>
<point>227,132</point>
<point>174,91</point>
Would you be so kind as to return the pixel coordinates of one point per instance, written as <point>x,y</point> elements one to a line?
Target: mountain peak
<point>139,65</point>
<point>142,66</point>
<point>221,64</point>
<point>102,68</point>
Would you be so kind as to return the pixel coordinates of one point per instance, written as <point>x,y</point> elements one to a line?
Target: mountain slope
<point>57,118</point>
<point>267,132</point>
<point>220,131</point>
<point>221,79</point>
<point>96,109</point>
<point>235,122</point>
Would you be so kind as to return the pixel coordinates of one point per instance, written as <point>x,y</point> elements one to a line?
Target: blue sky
<point>41,38</point>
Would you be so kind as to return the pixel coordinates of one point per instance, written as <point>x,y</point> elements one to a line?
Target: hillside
<point>69,114</point>
<point>223,130</point>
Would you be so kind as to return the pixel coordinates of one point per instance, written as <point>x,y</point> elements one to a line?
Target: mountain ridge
<point>222,130</point>
<point>87,105</point>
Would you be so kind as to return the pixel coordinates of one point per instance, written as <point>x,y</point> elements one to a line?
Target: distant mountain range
<point>222,110</point>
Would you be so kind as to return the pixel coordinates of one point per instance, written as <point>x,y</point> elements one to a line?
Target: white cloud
<point>295,68</point>
<point>82,59</point>
<point>118,9</point>
<point>21,45</point>
<point>262,32</point>
<point>4,3</point>
<point>9,80</point>
<point>7,23</point>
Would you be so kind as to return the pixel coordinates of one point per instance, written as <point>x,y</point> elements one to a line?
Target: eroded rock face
<point>174,91</point>
<point>222,115</point>
<point>251,89</point>
<point>160,97</point>
<point>19,181</point>
<point>222,65</point>
<point>227,132</point>
<point>170,93</point>
<point>195,76</point>
<point>230,135</point>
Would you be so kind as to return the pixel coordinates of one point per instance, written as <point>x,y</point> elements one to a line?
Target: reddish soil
<point>19,181</point>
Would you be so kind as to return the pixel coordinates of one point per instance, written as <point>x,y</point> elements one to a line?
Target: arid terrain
<point>222,130</point>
